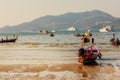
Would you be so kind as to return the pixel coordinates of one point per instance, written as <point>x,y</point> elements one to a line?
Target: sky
<point>14,12</point>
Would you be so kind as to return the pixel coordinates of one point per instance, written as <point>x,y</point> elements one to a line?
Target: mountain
<point>96,19</point>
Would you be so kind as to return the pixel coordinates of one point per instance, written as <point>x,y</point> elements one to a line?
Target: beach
<point>54,40</point>
<point>56,62</point>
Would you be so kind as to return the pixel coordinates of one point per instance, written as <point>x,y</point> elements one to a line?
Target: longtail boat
<point>9,40</point>
<point>89,54</point>
<point>51,34</point>
<point>115,41</point>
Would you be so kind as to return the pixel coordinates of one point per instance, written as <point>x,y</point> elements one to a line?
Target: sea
<point>110,53</point>
<point>61,37</point>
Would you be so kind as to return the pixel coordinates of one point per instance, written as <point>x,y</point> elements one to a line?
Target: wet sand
<point>56,62</point>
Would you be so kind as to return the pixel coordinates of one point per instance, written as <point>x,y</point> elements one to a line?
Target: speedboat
<point>72,29</point>
<point>105,29</point>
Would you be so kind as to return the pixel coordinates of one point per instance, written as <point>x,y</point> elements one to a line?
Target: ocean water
<point>111,54</point>
<point>61,37</point>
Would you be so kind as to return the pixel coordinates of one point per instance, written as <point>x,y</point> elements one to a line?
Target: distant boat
<point>9,40</point>
<point>105,29</point>
<point>72,29</point>
<point>77,34</point>
<point>44,32</point>
<point>115,41</point>
<point>53,31</point>
<point>51,34</point>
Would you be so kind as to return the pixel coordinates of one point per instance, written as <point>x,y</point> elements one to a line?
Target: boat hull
<point>8,41</point>
<point>88,55</point>
<point>87,59</point>
<point>101,30</point>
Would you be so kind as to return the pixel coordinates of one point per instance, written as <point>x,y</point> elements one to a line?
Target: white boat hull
<point>103,30</point>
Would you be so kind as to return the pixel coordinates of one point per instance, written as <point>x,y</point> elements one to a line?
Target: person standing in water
<point>88,34</point>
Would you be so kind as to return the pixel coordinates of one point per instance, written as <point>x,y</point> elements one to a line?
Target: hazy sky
<point>14,12</point>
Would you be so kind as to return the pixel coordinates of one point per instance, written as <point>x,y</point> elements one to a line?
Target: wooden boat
<point>44,32</point>
<point>51,34</point>
<point>89,54</point>
<point>9,40</point>
<point>115,41</point>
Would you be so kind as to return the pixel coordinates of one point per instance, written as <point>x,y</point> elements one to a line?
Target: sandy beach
<point>56,62</point>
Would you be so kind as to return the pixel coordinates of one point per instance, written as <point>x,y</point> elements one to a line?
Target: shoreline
<point>56,62</point>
